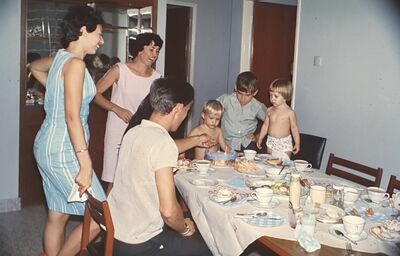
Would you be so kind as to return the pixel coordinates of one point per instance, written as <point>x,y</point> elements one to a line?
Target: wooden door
<point>274,27</point>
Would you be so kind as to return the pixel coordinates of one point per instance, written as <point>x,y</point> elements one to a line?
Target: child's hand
<point>296,149</point>
<point>259,142</point>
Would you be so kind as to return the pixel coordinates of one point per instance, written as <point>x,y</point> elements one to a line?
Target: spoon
<point>340,233</point>
<point>283,167</point>
<point>256,215</point>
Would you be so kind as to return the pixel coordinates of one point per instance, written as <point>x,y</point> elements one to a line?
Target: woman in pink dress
<point>130,84</point>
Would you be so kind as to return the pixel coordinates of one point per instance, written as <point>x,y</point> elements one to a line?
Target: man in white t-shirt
<point>147,217</point>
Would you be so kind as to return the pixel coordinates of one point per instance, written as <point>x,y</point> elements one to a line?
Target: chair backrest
<point>311,149</point>
<point>100,213</point>
<point>339,167</point>
<point>394,183</point>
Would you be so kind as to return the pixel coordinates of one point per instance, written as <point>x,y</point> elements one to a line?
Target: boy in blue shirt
<point>242,112</point>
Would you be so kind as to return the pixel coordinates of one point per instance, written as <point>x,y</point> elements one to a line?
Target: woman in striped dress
<point>61,145</point>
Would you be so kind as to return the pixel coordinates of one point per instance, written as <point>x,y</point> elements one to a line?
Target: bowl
<point>351,194</point>
<point>273,173</point>
<point>249,154</point>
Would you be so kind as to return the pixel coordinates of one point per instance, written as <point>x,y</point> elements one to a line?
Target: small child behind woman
<point>280,123</point>
<point>210,118</point>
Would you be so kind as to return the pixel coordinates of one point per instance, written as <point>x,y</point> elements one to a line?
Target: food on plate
<point>281,188</point>
<point>223,162</point>
<point>384,233</point>
<point>220,158</point>
<point>370,212</point>
<point>355,212</point>
<point>246,166</point>
<point>304,182</point>
<point>392,225</point>
<point>275,161</point>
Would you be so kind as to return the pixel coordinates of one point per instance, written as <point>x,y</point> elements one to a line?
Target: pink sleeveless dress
<point>127,93</point>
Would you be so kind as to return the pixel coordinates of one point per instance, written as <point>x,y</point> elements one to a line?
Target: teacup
<point>202,166</point>
<point>249,154</point>
<point>377,194</point>
<point>302,165</point>
<point>262,195</point>
<point>318,194</point>
<point>353,225</point>
<point>350,195</point>
<point>224,195</point>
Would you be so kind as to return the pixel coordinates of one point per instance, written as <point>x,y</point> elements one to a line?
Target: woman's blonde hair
<point>213,107</point>
<point>282,86</point>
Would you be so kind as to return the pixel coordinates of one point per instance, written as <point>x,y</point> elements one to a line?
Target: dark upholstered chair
<point>394,183</point>
<point>339,167</point>
<point>311,149</point>
<point>100,213</point>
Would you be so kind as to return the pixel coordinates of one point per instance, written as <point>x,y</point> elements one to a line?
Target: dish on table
<point>327,213</point>
<point>248,167</point>
<point>369,214</point>
<point>203,182</point>
<point>263,157</point>
<point>383,233</point>
<point>209,171</point>
<point>271,219</point>
<point>236,196</point>
<point>257,182</point>
<point>272,204</point>
<point>281,189</point>
<point>340,227</point>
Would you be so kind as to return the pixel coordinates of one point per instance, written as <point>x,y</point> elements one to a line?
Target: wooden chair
<point>311,149</point>
<point>100,213</point>
<point>394,183</point>
<point>339,167</point>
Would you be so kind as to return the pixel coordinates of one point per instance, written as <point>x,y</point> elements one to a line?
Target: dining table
<point>226,235</point>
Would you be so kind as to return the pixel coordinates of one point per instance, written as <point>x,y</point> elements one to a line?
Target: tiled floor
<point>21,233</point>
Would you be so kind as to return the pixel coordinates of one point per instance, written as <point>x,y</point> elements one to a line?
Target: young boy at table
<point>280,123</point>
<point>242,112</point>
<point>210,118</point>
<point>147,217</point>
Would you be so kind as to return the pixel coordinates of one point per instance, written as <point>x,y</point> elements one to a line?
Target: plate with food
<point>281,189</point>
<point>184,164</point>
<point>257,182</point>
<point>327,213</point>
<point>248,167</point>
<point>369,214</point>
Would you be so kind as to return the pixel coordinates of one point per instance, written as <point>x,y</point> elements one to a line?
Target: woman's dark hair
<point>165,94</point>
<point>142,40</point>
<point>76,18</point>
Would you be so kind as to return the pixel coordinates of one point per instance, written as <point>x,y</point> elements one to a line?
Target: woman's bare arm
<point>40,69</point>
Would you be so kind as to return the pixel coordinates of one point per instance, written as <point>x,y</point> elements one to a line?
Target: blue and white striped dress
<point>53,149</point>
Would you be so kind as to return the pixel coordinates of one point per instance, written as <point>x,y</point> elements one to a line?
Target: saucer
<point>272,204</point>
<point>210,170</point>
<point>203,182</point>
<point>330,214</point>
<point>271,220</point>
<point>366,199</point>
<point>340,227</point>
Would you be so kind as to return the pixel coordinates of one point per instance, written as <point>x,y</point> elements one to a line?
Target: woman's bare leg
<point>54,232</point>
<point>73,242</point>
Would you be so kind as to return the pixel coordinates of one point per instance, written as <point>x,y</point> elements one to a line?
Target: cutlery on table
<point>232,200</point>
<point>256,215</point>
<point>349,249</point>
<point>340,233</point>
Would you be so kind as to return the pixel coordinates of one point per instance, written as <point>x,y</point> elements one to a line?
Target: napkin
<point>74,195</point>
<point>310,244</point>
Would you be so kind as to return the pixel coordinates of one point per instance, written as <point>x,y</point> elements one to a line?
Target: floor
<point>21,233</point>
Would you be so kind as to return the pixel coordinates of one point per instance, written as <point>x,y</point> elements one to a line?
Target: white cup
<point>302,165</point>
<point>353,225</point>
<point>350,194</point>
<point>202,166</point>
<point>262,195</point>
<point>377,194</point>
<point>249,154</point>
<point>317,194</point>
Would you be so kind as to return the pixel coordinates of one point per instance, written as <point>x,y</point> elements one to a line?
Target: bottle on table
<point>294,191</point>
<point>338,196</point>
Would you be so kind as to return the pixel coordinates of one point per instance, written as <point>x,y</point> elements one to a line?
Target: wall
<point>10,11</point>
<point>353,99</point>
<point>217,48</point>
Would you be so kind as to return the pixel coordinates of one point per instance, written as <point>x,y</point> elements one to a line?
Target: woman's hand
<point>123,114</point>
<point>84,179</point>
<point>191,229</point>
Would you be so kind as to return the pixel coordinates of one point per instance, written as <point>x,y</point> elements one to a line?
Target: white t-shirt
<point>134,201</point>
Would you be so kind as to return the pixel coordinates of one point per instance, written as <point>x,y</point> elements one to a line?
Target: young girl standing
<point>280,123</point>
<point>211,116</point>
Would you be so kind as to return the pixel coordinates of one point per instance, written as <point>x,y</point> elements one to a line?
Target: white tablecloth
<point>226,235</point>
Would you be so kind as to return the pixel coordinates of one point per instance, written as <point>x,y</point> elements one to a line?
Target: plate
<point>383,234</point>
<point>249,168</point>
<point>330,214</point>
<point>281,190</point>
<point>272,204</point>
<point>236,199</point>
<point>210,171</point>
<point>377,217</point>
<point>259,182</point>
<point>340,227</point>
<point>365,199</point>
<point>264,157</point>
<point>266,221</point>
<point>203,182</point>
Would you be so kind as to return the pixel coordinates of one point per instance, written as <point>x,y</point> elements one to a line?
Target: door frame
<point>161,28</point>
<point>247,37</point>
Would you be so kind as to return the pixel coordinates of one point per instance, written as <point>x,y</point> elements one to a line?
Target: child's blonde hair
<point>213,107</point>
<point>282,86</point>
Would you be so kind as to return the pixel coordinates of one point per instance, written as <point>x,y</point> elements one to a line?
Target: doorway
<point>274,30</point>
<point>178,46</point>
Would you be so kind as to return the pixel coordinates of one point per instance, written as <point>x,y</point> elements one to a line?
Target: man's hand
<point>205,141</point>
